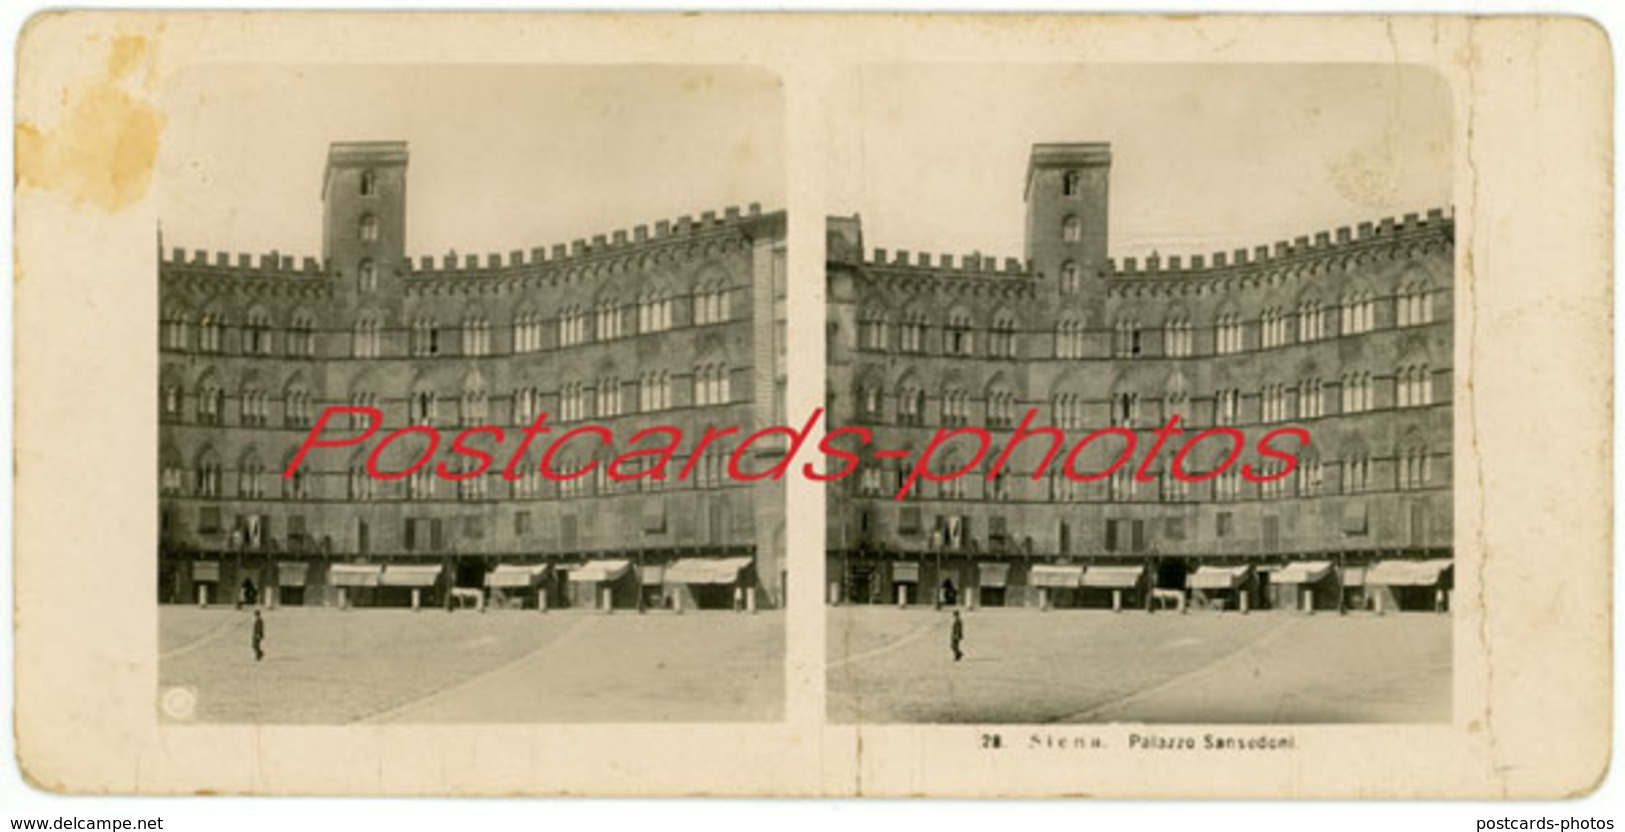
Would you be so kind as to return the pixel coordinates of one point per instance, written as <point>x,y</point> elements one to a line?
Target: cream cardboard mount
<point>486,640</point>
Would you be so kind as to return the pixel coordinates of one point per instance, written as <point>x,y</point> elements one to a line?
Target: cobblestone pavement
<point>1027,666</point>
<point>323,666</point>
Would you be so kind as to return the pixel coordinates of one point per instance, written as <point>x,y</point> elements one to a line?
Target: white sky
<point>501,157</point>
<point>1205,157</point>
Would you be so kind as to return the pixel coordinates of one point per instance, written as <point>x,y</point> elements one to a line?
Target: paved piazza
<point>323,666</point>
<point>1028,666</point>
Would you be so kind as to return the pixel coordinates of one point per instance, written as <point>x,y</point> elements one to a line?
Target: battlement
<point>1410,225</point>
<point>264,264</point>
<point>451,264</point>
<point>974,264</point>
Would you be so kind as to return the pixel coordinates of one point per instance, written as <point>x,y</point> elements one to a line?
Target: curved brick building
<point>679,323</point>
<point>1346,333</point>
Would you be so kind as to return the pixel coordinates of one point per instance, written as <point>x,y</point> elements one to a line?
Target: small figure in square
<point>259,636</point>
<point>957,636</point>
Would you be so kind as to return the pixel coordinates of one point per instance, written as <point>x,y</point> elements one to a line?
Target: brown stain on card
<point>104,148</point>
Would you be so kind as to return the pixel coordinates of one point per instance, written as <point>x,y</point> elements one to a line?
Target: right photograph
<point>1141,382</point>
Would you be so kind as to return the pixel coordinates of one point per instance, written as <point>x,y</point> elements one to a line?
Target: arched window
<point>957,337</point>
<point>474,410</point>
<point>1414,469</point>
<point>712,385</point>
<point>1176,336</point>
<point>369,183</point>
<point>368,338</point>
<point>1413,386</point>
<point>1356,392</point>
<point>369,228</point>
<point>654,391</point>
<point>250,476</point>
<point>296,487</point>
<point>1066,410</point>
<point>1002,339</point>
<point>913,333</point>
<point>1274,326</point>
<point>1228,334</point>
<point>174,332</point>
<point>211,401</point>
<point>208,474</point>
<point>1072,183</point>
<point>172,473</point>
<point>711,304</point>
<point>476,335</point>
<point>1069,339</point>
<point>367,276</point>
<point>302,335</point>
<point>1226,406</point>
<point>1311,399</point>
<point>211,328</point>
<point>254,406</point>
<point>1311,320</point>
<point>609,397</point>
<point>955,407</point>
<point>910,404</point>
<point>874,330</point>
<point>424,407</point>
<point>1071,278</point>
<point>171,399</point>
<point>425,337</point>
<point>609,319</point>
<point>1126,344</point>
<point>527,404</point>
<point>1071,229</point>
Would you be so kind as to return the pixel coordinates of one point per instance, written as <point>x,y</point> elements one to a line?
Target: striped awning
<point>1407,572</point>
<point>354,574</point>
<point>706,570</point>
<point>1058,577</point>
<point>514,575</point>
<point>291,572</point>
<point>1302,572</point>
<point>1218,577</point>
<point>992,574</point>
<point>1113,577</point>
<point>411,576</point>
<point>595,571</point>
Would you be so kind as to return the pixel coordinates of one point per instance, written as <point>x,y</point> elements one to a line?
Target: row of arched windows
<point>1277,327</point>
<point>1306,398</point>
<point>577,325</point>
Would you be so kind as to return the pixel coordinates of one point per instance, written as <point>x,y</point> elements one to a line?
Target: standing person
<point>259,636</point>
<point>957,636</point>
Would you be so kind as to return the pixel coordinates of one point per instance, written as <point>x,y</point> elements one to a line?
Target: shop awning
<point>514,576</point>
<point>1060,577</point>
<point>1218,577</point>
<point>1113,577</point>
<point>414,576</point>
<point>291,572</point>
<point>1354,576</point>
<point>595,571</point>
<point>706,570</point>
<point>1302,572</point>
<point>1406,572</point>
<point>354,574</point>
<point>206,570</point>
<point>653,574</point>
<point>992,574</point>
<point>905,572</point>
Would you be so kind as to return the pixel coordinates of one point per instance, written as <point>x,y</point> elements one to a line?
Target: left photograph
<point>459,375</point>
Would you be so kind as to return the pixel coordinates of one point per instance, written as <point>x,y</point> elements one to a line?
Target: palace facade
<point>680,323</point>
<point>1345,332</point>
